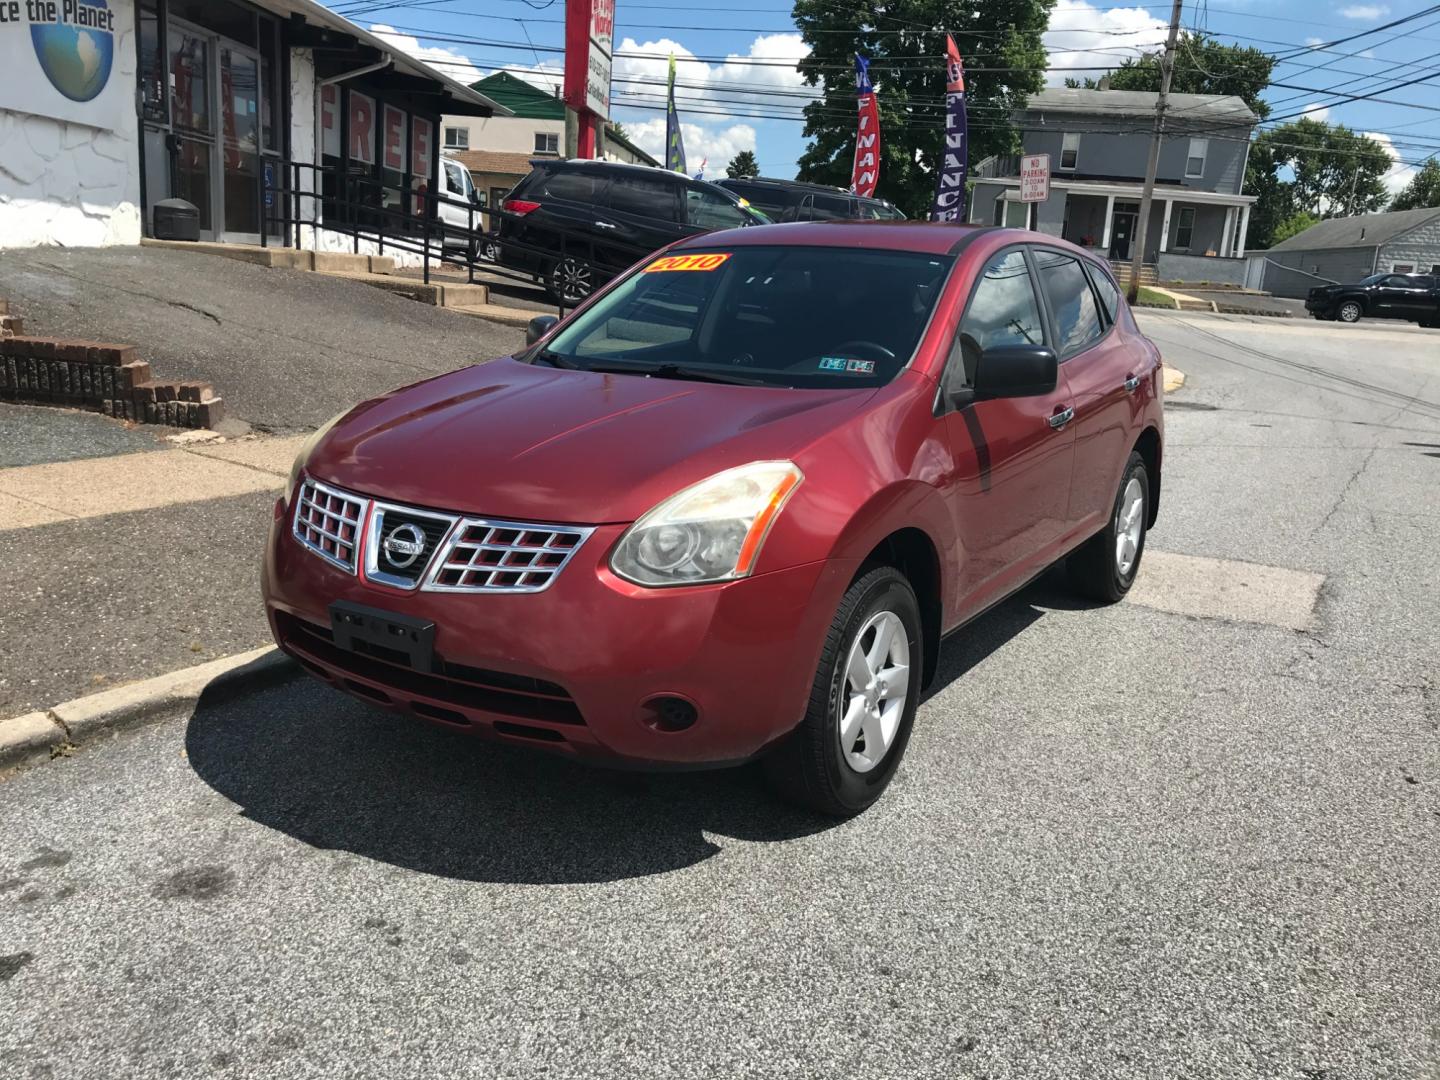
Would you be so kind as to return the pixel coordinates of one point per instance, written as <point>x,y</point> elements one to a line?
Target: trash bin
<point>176,219</point>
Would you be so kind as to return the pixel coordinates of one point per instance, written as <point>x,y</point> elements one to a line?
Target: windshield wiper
<point>554,359</point>
<point>680,371</point>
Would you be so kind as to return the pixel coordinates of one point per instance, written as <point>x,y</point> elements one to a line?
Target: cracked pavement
<point>1126,842</point>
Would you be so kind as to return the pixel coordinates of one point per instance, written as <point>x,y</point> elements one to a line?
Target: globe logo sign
<point>75,43</point>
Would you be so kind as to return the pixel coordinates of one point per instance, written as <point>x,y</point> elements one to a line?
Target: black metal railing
<point>436,227</point>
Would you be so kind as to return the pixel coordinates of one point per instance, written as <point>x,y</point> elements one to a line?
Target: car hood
<point>508,439</point>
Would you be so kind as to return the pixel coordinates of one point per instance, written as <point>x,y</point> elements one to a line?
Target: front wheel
<point>1105,567</point>
<point>862,704</point>
<point>1350,311</point>
<point>570,281</point>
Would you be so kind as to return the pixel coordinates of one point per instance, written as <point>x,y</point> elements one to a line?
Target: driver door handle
<point>1061,418</point>
<point>604,225</point>
<point>1132,383</point>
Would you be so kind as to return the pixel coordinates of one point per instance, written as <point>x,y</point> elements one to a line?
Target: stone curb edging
<point>57,732</point>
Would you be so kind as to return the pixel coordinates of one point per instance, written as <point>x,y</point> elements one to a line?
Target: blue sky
<point>728,105</point>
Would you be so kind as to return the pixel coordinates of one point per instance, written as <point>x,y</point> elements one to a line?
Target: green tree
<point>1423,189</point>
<point>742,164</point>
<point>1275,198</point>
<point>1202,66</point>
<point>908,69</point>
<point>1337,172</point>
<point>1293,226</point>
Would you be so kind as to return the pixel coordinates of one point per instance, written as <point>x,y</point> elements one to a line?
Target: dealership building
<point>108,107</point>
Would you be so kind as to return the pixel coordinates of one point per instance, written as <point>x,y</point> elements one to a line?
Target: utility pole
<point>1167,68</point>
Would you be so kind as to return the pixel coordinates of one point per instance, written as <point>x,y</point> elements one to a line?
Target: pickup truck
<point>1415,297</point>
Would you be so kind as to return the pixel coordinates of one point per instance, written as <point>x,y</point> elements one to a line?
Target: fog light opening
<point>669,714</point>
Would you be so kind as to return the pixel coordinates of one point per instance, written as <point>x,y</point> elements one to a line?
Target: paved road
<point>1125,842</point>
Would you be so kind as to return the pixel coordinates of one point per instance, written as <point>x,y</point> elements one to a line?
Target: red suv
<point>729,508</point>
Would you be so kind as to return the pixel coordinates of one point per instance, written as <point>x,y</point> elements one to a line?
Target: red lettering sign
<point>362,128</point>
<point>420,136</point>
<point>394,157</point>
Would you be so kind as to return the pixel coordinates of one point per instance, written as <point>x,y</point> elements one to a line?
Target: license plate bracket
<point>383,635</point>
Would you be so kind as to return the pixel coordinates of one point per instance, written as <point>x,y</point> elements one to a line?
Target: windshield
<point>779,316</point>
<point>1373,279</point>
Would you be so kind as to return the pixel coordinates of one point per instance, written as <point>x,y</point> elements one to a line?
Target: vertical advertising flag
<point>674,141</point>
<point>866,171</point>
<point>950,178</point>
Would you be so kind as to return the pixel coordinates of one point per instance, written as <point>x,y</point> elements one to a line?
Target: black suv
<point>575,224</point>
<point>792,200</point>
<point>1380,296</point>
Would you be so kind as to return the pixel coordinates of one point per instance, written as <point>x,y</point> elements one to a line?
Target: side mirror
<point>539,326</point>
<point>475,196</point>
<point>1016,371</point>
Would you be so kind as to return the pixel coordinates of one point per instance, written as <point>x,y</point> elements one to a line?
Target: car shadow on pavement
<point>337,774</point>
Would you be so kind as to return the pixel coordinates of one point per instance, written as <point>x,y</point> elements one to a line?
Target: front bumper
<point>572,669</point>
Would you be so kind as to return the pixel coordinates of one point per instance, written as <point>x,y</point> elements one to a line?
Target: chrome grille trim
<point>325,514</point>
<point>374,538</point>
<point>496,556</point>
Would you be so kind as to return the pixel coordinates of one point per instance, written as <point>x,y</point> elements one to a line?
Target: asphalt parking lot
<point>1196,834</point>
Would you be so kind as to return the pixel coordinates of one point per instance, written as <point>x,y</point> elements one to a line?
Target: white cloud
<point>1364,12</point>
<point>731,86</point>
<point>1399,175</point>
<point>447,61</point>
<point>1311,112</point>
<point>713,144</point>
<point>1082,35</point>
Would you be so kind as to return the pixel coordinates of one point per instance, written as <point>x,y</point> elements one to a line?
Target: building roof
<point>462,99</point>
<point>1181,110</point>
<point>1363,231</point>
<point>493,161</point>
<point>520,97</point>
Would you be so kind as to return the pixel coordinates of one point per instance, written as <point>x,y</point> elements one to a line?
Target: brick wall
<point>110,379</point>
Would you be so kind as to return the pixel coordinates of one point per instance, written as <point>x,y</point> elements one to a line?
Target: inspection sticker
<point>861,367</point>
<point>688,262</point>
<point>832,363</point>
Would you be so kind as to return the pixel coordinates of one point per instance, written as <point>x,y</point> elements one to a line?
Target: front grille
<point>388,556</point>
<point>504,556</point>
<point>328,522</point>
<point>517,696</point>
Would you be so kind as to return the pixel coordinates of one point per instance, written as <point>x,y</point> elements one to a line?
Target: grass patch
<point>1151,298</point>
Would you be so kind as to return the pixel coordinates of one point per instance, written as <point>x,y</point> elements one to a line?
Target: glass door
<point>240,130</point>
<point>192,115</point>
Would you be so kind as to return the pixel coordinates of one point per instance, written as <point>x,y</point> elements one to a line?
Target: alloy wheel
<point>1129,520</point>
<point>1349,311</point>
<point>572,279</point>
<point>877,684</point>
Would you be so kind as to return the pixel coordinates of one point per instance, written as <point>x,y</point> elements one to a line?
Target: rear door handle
<point>1132,383</point>
<point>1060,419</point>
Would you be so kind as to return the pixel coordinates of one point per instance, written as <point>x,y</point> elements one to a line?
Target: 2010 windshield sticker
<point>711,261</point>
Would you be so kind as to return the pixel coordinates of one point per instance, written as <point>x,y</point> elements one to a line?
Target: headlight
<point>305,450</point>
<point>710,532</point>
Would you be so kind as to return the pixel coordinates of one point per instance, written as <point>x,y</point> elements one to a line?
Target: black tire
<point>570,281</point>
<point>1350,311</point>
<point>1095,569</point>
<point>810,768</point>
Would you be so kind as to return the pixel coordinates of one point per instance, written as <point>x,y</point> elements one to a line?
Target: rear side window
<point>830,208</point>
<point>1002,311</point>
<point>571,186</point>
<point>1109,294</point>
<point>711,211</point>
<point>643,196</point>
<point>1072,303</point>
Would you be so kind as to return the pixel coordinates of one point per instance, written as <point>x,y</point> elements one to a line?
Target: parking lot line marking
<point>1227,589</point>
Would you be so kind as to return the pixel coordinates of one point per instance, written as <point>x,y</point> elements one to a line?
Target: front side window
<point>455,177</point>
<point>1070,150</point>
<point>457,138</point>
<point>1002,311</point>
<point>1185,227</point>
<point>1072,302</point>
<point>710,211</point>
<point>578,187</point>
<point>1195,159</point>
<point>547,142</point>
<point>830,208</point>
<point>778,316</point>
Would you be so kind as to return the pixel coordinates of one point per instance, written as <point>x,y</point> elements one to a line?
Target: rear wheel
<point>1350,311</point>
<point>1105,567</point>
<point>570,280</point>
<point>862,704</point>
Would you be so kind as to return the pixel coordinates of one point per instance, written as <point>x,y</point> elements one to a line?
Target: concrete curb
<point>57,732</point>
